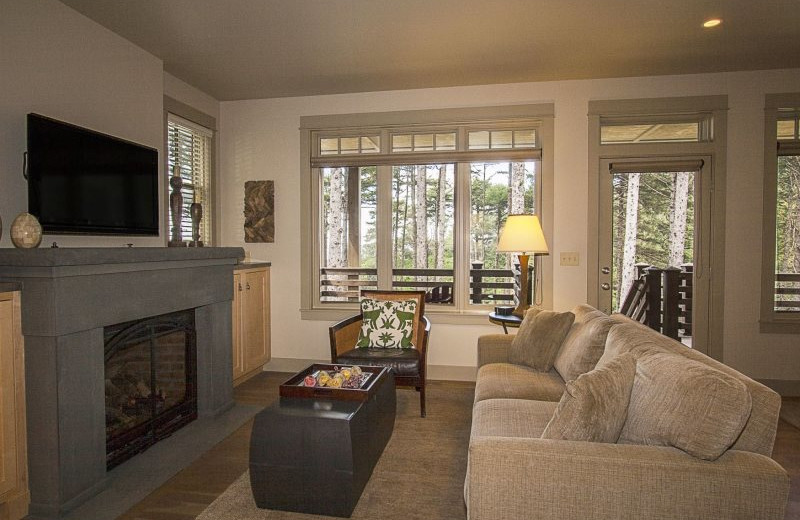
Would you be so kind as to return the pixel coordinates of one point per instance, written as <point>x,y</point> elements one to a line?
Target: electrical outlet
<point>570,258</point>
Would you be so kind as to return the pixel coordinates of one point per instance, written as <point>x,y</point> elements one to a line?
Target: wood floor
<point>189,492</point>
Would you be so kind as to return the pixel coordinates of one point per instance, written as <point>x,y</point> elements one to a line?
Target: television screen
<point>84,182</point>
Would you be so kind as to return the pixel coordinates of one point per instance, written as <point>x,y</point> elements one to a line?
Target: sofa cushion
<point>759,433</point>
<point>584,343</point>
<point>504,380</point>
<point>387,323</point>
<point>511,418</point>
<point>402,361</point>
<point>594,406</point>
<point>539,338</point>
<point>686,404</point>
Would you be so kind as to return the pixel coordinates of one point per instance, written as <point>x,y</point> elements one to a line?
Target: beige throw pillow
<point>583,346</point>
<point>595,405</point>
<point>686,404</point>
<point>539,338</point>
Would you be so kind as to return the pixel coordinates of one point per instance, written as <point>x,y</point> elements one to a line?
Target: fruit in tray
<point>345,377</point>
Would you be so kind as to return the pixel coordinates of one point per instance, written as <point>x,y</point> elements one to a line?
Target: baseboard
<point>451,373</point>
<point>785,387</point>
<point>435,372</point>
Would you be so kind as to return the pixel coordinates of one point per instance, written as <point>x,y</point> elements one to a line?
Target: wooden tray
<point>293,387</point>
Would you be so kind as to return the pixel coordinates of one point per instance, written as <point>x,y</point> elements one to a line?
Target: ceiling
<point>248,49</point>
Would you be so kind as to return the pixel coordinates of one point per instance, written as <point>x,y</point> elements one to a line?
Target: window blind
<point>190,152</point>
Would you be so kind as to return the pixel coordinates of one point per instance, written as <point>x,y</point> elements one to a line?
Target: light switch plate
<point>570,258</point>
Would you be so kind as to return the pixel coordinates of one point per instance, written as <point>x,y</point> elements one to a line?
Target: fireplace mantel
<point>68,296</point>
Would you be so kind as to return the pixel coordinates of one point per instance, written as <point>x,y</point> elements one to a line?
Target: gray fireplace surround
<point>68,296</point>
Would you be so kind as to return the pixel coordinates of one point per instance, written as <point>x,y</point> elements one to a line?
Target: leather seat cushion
<point>403,361</point>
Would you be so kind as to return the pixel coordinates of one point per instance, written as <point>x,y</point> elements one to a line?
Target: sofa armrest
<point>540,478</point>
<point>493,348</point>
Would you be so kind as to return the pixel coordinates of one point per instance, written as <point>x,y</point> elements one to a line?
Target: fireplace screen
<point>150,374</point>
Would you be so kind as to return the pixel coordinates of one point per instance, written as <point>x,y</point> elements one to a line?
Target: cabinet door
<point>8,412</point>
<point>238,357</point>
<point>254,319</point>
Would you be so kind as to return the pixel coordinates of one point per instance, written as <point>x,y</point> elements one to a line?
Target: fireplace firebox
<point>150,382</point>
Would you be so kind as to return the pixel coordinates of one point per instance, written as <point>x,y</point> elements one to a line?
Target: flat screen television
<point>84,182</point>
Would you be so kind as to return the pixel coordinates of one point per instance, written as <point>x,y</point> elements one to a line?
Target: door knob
<point>605,286</point>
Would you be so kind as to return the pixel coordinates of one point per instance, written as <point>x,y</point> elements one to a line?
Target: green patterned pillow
<point>387,323</point>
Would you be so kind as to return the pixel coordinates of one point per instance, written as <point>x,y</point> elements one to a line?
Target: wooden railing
<point>662,299</point>
<point>486,286</point>
<point>787,292</point>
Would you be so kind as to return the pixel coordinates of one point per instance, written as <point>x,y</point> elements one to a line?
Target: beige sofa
<point>513,473</point>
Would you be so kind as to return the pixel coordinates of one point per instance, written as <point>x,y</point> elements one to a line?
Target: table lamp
<point>522,234</point>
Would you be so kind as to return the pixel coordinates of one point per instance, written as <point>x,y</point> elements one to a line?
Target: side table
<point>505,321</point>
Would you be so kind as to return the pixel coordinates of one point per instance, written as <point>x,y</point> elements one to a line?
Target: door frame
<point>703,181</point>
<point>714,148</point>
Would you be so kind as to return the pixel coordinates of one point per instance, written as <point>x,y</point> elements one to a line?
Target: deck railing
<point>787,292</point>
<point>486,286</point>
<point>662,299</point>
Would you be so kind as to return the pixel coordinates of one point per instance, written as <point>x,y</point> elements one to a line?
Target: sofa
<point>716,464</point>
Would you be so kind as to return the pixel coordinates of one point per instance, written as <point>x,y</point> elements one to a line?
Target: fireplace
<point>150,379</point>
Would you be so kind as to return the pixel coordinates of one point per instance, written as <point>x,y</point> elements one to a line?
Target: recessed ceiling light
<point>712,22</point>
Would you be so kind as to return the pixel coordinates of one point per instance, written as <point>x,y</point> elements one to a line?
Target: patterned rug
<point>419,476</point>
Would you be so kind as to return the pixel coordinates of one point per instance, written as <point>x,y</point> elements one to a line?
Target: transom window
<point>423,213</point>
<point>661,130</point>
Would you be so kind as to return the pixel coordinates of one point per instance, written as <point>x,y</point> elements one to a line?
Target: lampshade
<point>522,234</point>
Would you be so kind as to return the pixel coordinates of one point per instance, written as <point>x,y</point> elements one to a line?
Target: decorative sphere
<point>26,232</point>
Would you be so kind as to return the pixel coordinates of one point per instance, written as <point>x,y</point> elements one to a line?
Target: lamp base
<point>523,305</point>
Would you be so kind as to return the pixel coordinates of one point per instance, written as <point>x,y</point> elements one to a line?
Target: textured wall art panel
<point>259,211</point>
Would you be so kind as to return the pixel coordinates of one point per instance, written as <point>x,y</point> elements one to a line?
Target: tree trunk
<point>421,218</point>
<point>441,207</point>
<point>631,224</point>
<point>402,262</point>
<point>517,192</point>
<point>792,227</point>
<point>396,216</point>
<point>677,218</point>
<point>336,221</point>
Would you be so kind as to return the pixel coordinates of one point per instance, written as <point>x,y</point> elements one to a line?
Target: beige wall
<point>260,140</point>
<point>58,63</point>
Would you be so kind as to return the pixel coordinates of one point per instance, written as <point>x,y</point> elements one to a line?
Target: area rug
<point>419,476</point>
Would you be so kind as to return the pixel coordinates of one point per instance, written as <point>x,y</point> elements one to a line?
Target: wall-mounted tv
<point>85,182</point>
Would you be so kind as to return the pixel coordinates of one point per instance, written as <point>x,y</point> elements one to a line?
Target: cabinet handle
<point>240,286</point>
<point>248,286</point>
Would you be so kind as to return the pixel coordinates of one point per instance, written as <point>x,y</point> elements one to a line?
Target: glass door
<point>653,229</point>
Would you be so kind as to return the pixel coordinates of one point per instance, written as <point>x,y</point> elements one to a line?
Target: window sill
<point>784,326</point>
<point>450,317</point>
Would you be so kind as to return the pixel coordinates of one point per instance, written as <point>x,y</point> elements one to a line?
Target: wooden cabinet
<point>251,322</point>
<point>14,494</point>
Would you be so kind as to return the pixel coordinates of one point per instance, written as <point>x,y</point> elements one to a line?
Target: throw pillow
<point>595,405</point>
<point>583,346</point>
<point>686,404</point>
<point>387,323</point>
<point>539,338</point>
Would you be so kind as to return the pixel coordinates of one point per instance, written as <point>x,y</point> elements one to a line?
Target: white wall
<point>58,63</point>
<point>260,140</point>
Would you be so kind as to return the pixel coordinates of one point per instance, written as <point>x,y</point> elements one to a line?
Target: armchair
<point>408,364</point>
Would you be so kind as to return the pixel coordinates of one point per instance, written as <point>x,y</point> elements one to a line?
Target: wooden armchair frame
<point>343,337</point>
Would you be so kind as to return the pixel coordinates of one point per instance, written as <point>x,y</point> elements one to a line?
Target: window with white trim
<point>412,207</point>
<point>189,153</point>
<point>781,287</point>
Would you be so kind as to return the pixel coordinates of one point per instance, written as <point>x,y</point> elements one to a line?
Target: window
<point>189,153</point>
<point>420,206</point>
<point>780,306</point>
